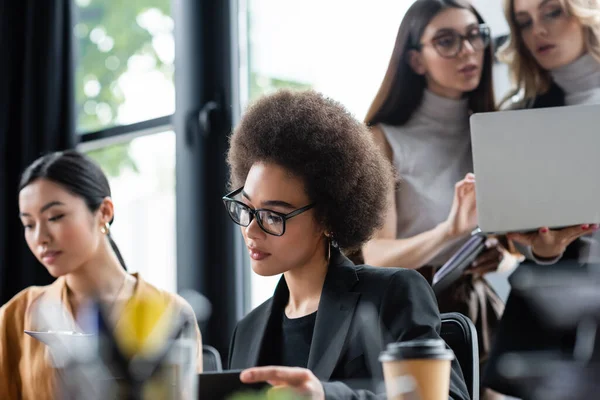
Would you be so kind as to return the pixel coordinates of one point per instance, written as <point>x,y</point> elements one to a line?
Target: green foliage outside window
<point>108,34</point>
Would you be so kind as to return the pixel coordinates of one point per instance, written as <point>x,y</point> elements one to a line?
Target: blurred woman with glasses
<point>553,53</point>
<point>309,182</point>
<point>440,72</point>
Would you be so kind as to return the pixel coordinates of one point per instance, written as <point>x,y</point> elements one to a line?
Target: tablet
<point>225,384</point>
<point>456,265</point>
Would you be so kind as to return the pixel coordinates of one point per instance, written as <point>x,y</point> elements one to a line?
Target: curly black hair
<point>316,139</point>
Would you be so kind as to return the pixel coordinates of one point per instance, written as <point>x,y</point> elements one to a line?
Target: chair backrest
<point>460,334</point>
<point>211,359</point>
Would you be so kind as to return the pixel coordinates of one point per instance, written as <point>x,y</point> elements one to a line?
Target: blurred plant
<point>113,159</point>
<point>109,34</point>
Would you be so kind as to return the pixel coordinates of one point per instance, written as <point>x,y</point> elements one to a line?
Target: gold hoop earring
<point>330,242</point>
<point>328,255</point>
<point>105,229</point>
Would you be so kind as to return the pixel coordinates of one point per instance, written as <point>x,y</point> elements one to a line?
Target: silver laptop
<point>537,168</point>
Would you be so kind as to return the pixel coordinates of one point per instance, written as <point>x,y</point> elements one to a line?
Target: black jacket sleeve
<point>411,311</point>
<point>231,345</point>
<point>408,311</point>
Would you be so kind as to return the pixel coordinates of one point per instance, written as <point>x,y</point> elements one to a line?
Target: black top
<point>361,310</point>
<point>554,97</point>
<point>296,337</point>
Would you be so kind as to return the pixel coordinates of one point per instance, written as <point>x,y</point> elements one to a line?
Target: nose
<point>253,230</point>
<point>539,29</point>
<point>467,47</point>
<point>41,235</point>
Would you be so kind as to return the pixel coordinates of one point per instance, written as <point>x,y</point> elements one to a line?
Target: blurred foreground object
<point>150,353</point>
<point>565,300</point>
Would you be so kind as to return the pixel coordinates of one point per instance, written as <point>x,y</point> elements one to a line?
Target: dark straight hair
<point>76,173</point>
<point>401,91</point>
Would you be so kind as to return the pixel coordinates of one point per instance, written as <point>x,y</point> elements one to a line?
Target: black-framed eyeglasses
<point>450,43</point>
<point>272,222</point>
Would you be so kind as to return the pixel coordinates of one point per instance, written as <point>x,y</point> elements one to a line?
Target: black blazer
<point>362,308</point>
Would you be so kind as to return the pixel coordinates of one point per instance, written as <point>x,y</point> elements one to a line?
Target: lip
<point>50,256</point>
<point>469,69</point>
<point>544,48</point>
<point>256,254</point>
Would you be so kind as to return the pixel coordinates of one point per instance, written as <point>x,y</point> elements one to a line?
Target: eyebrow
<point>44,208</point>
<point>542,4</point>
<point>444,31</point>
<point>270,203</point>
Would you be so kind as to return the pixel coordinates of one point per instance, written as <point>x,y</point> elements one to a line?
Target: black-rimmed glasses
<point>450,43</point>
<point>272,222</point>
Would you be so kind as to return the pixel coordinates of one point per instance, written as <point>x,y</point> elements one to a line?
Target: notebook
<point>461,260</point>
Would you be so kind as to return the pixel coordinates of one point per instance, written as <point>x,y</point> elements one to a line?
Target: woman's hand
<point>488,260</point>
<point>300,380</point>
<point>496,257</point>
<point>547,243</point>
<point>462,219</point>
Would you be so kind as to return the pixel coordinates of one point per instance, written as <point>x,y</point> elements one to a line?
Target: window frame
<point>123,133</point>
<point>208,68</point>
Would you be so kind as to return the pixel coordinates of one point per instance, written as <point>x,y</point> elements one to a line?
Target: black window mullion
<point>147,127</point>
<point>206,245</point>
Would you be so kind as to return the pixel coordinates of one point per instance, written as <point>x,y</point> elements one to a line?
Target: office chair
<point>211,359</point>
<point>459,333</point>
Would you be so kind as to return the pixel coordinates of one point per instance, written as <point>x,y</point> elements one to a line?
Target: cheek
<point>299,241</point>
<point>574,37</point>
<point>442,70</point>
<point>296,247</point>
<point>75,237</point>
<point>528,41</point>
<point>292,250</point>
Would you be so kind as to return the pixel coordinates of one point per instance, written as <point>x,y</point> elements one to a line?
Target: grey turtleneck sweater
<point>431,153</point>
<point>580,80</point>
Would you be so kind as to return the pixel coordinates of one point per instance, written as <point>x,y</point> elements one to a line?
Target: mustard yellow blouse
<point>25,370</point>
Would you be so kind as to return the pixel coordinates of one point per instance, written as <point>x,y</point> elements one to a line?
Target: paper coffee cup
<point>417,369</point>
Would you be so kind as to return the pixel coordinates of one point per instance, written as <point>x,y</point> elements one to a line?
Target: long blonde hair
<point>529,79</point>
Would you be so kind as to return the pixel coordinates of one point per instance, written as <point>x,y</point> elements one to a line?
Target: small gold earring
<point>105,229</point>
<point>332,241</point>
